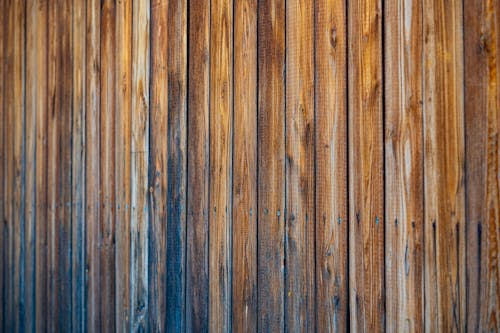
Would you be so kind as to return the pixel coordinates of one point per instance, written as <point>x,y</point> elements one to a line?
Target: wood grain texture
<point>221,140</point>
<point>271,166</point>
<point>177,165</point>
<point>366,187</point>
<point>244,236</point>
<point>92,138</point>
<point>300,169</point>
<point>123,96</point>
<point>139,166</point>
<point>404,200</point>
<point>158,173</point>
<point>482,104</point>
<point>3,222</point>
<point>331,166</point>
<point>444,167</point>
<point>198,205</point>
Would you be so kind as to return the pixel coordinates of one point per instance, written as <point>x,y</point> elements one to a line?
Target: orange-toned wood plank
<point>444,162</point>
<point>404,182</point>
<point>271,165</point>
<point>198,205</point>
<point>3,129</point>
<point>123,95</point>
<point>482,126</point>
<point>244,235</point>
<point>221,134</point>
<point>331,166</point>
<point>366,182</point>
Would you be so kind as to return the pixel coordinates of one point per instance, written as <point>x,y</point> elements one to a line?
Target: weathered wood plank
<point>78,168</point>
<point>366,182</point>
<point>244,237</point>
<point>139,166</point>
<point>300,169</point>
<point>42,276</point>
<point>92,138</point>
<point>444,167</point>
<point>271,165</point>
<point>482,105</point>
<point>107,163</point>
<point>3,128</point>
<point>221,135</point>
<point>198,205</point>
<point>177,165</point>
<point>158,173</point>
<point>404,166</point>
<point>331,166</point>
<point>123,95</point>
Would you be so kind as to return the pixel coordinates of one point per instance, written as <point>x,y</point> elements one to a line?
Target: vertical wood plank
<point>198,205</point>
<point>177,165</point>
<point>404,166</point>
<point>30,163</point>
<point>3,157</point>
<point>331,166</point>
<point>271,165</point>
<point>123,95</point>
<point>300,169</point>
<point>221,135</point>
<point>92,196</point>
<point>444,167</point>
<point>366,182</point>
<point>139,165</point>
<point>78,168</point>
<point>158,156</point>
<point>482,104</point>
<point>244,288</point>
<point>41,166</point>
<point>107,163</point>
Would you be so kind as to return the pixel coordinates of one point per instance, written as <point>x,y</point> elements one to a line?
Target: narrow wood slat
<point>331,166</point>
<point>78,168</point>
<point>444,167</point>
<point>198,205</point>
<point>123,95</point>
<point>366,182</point>
<point>158,155</point>
<point>404,166</point>
<point>300,169</point>
<point>221,134</point>
<point>3,129</point>
<point>482,105</point>
<point>107,163</point>
<point>244,235</point>
<point>139,166</point>
<point>271,165</point>
<point>41,259</point>
<point>177,165</point>
<point>92,195</point>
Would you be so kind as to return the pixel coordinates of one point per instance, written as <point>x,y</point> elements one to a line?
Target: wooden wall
<point>249,165</point>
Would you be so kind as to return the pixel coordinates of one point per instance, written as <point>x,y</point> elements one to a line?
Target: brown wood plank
<point>107,163</point>
<point>404,166</point>
<point>198,206</point>
<point>300,169</point>
<point>139,166</point>
<point>177,165</point>
<point>3,128</point>
<point>482,104</point>
<point>123,95</point>
<point>78,168</point>
<point>92,196</point>
<point>244,235</point>
<point>158,155</point>
<point>331,166</point>
<point>42,276</point>
<point>366,182</point>
<point>271,165</point>
<point>444,167</point>
<point>221,134</point>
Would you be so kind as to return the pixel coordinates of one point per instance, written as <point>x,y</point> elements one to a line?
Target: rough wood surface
<point>404,199</point>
